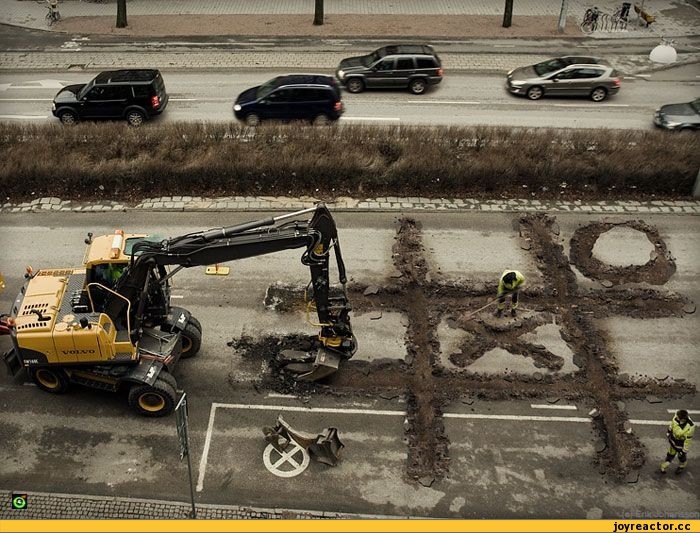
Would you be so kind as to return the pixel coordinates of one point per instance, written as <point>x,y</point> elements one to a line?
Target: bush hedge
<point>93,161</point>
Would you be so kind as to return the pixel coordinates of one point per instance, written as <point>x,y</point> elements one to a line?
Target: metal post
<point>183,439</point>
<point>696,189</point>
<point>562,15</point>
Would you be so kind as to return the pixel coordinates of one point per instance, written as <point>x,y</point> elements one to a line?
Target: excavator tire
<point>153,401</point>
<point>52,380</point>
<point>191,340</point>
<point>195,323</point>
<point>168,378</point>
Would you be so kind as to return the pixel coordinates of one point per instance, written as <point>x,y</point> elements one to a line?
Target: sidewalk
<point>461,19</point>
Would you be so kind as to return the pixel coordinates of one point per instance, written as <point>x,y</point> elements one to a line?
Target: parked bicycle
<point>620,16</point>
<point>590,20</point>
<point>53,14</point>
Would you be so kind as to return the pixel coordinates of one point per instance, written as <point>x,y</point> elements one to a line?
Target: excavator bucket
<point>327,447</point>
<point>282,434</point>
<point>326,363</point>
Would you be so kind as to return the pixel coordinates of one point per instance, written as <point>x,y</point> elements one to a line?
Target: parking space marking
<point>381,412</point>
<point>548,406</point>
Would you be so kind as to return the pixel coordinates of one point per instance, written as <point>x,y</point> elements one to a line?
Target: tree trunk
<point>318,13</point>
<point>121,13</point>
<point>508,14</point>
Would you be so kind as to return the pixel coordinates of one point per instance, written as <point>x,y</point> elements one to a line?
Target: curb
<point>389,204</point>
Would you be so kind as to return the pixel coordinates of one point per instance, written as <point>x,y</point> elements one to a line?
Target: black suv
<point>404,65</point>
<point>313,97</point>
<point>135,95</point>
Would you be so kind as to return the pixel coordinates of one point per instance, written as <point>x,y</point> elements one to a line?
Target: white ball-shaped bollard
<point>664,53</point>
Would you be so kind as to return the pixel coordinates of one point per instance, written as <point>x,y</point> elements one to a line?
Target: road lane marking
<point>590,105</point>
<point>278,395</point>
<point>344,119</point>
<point>474,416</point>
<point>26,99</point>
<point>27,117</point>
<point>177,296</point>
<point>547,406</point>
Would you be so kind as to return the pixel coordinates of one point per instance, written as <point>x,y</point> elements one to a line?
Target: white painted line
<point>590,105</point>
<point>196,99</point>
<point>518,417</point>
<point>441,102</point>
<point>177,296</point>
<point>205,451</point>
<point>344,119</point>
<point>504,46</point>
<point>650,422</point>
<point>278,395</point>
<point>643,75</point>
<point>27,117</point>
<point>26,99</point>
<point>549,406</point>
<point>310,409</point>
<point>690,411</point>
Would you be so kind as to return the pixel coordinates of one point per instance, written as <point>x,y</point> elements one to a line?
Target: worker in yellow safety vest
<point>510,283</point>
<point>680,433</point>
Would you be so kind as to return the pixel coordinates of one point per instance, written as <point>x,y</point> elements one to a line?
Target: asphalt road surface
<point>461,100</point>
<point>525,456</point>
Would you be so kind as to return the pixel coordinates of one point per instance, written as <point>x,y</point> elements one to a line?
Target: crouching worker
<point>510,283</point>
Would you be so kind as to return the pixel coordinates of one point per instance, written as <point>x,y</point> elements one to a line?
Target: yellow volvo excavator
<point>110,324</point>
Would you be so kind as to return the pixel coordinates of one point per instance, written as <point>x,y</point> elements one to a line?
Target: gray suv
<point>403,66</point>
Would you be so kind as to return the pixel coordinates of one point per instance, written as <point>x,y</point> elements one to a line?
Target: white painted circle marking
<point>286,463</point>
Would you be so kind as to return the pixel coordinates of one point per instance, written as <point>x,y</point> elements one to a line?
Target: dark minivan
<point>411,66</point>
<point>311,97</point>
<point>135,95</point>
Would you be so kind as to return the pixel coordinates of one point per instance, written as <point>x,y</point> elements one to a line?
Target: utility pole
<point>562,15</point>
<point>121,13</point>
<point>508,14</point>
<point>318,13</point>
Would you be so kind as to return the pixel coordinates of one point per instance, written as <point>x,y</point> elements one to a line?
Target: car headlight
<point>236,107</point>
<point>341,74</point>
<point>671,124</point>
<point>53,106</point>
<point>516,83</point>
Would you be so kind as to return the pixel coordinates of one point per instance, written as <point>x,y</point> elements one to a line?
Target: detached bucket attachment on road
<point>327,447</point>
<point>323,448</point>
<point>324,364</point>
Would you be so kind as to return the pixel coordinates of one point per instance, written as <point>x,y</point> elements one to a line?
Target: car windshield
<point>86,89</point>
<point>695,104</point>
<point>372,58</point>
<point>548,66</point>
<point>267,87</point>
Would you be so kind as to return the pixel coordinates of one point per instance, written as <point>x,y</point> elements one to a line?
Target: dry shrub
<point>111,160</point>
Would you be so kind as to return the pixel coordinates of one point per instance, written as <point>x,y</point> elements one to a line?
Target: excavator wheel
<point>168,378</point>
<point>152,401</point>
<point>50,379</point>
<point>196,323</point>
<point>191,339</point>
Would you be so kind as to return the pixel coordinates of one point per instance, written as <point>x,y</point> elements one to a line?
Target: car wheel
<point>599,94</point>
<point>252,120</point>
<point>322,120</point>
<point>68,117</point>
<point>417,86</point>
<point>355,85</point>
<point>535,92</point>
<point>135,118</point>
